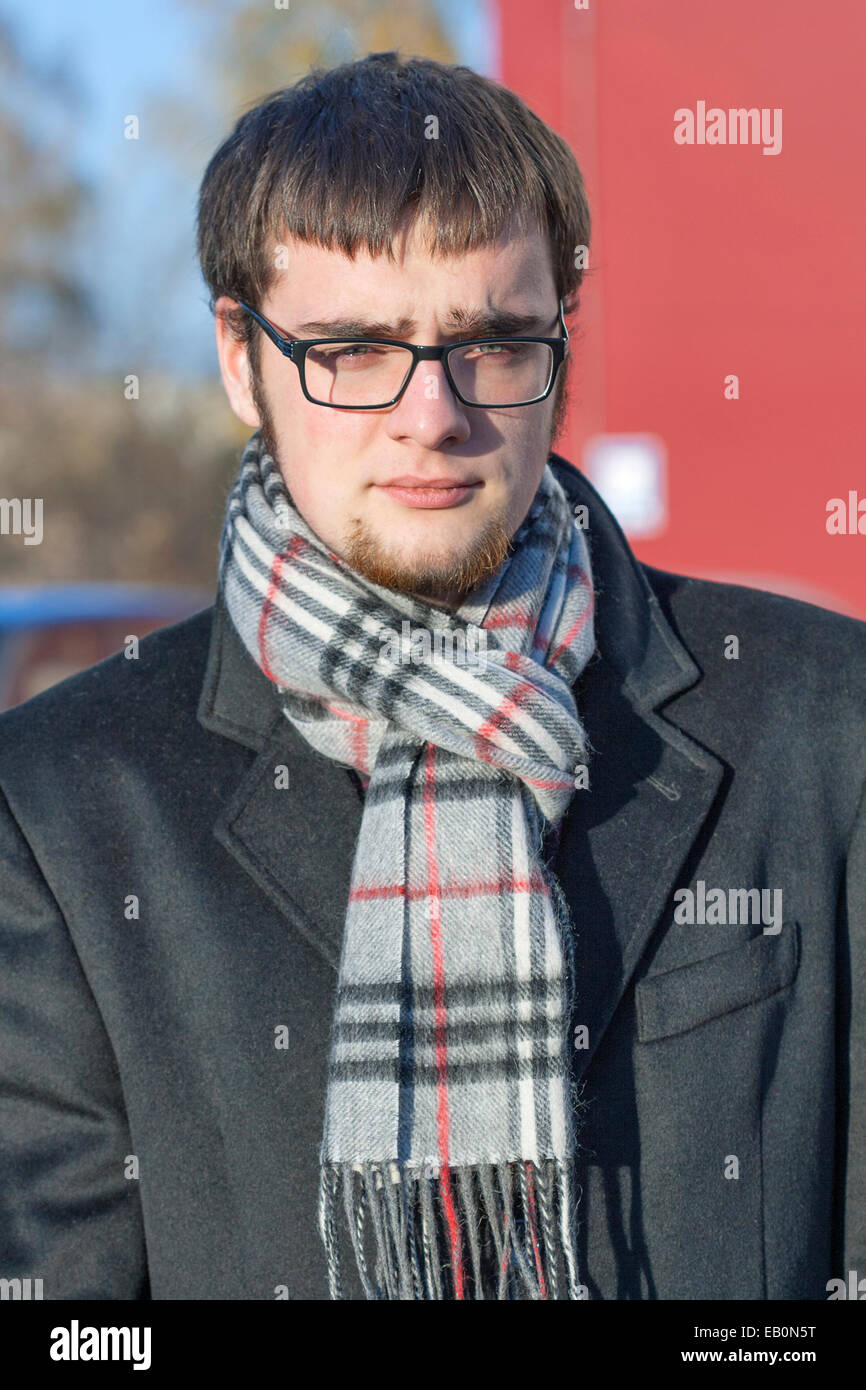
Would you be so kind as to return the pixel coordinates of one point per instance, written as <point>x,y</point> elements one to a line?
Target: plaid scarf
<point>448,1140</point>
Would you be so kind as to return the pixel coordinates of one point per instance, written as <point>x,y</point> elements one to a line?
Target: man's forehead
<point>510,276</point>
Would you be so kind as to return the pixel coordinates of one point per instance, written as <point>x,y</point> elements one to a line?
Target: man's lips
<point>428,492</point>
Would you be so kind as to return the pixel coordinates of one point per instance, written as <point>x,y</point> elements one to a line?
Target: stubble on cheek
<point>266,420</point>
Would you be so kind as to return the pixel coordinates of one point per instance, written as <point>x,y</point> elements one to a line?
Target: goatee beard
<point>446,582</point>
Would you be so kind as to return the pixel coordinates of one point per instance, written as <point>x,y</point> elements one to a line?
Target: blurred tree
<point>263,48</point>
<point>43,306</point>
<point>249,50</point>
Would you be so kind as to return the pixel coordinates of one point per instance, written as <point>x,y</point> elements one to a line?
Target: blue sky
<point>137,252</point>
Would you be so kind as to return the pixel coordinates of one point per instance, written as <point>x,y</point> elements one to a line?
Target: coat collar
<point>624,840</point>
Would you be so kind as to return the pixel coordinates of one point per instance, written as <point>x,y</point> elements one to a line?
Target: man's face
<point>364,480</point>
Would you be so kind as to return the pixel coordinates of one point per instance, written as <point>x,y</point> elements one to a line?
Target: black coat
<point>155,1037</point>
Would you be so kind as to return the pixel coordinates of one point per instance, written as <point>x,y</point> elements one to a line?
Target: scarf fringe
<point>490,1231</point>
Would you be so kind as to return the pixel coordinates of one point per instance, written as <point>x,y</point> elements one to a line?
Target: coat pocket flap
<point>679,999</point>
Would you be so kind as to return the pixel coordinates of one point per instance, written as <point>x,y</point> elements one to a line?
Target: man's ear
<point>235,366</point>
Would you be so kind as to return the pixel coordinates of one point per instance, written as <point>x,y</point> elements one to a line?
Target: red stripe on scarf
<point>358,738</point>
<point>470,889</point>
<point>508,620</point>
<point>530,1188</point>
<point>509,706</point>
<point>268,606</point>
<point>575,628</point>
<point>563,784</point>
<point>541,639</point>
<point>439,1018</point>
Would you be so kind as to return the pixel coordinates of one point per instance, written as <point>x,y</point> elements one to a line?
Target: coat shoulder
<point>809,650</point>
<point>702,603</point>
<point>146,697</point>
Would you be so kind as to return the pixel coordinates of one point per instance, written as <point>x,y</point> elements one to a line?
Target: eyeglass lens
<point>490,373</point>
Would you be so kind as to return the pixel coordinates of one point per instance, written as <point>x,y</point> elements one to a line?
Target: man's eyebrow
<point>463,323</point>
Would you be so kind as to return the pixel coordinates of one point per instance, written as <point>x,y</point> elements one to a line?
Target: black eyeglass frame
<point>296,350</point>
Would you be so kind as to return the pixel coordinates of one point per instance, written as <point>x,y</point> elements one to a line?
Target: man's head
<point>424,201</point>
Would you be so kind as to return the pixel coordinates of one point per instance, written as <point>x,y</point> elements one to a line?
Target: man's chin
<point>446,576</point>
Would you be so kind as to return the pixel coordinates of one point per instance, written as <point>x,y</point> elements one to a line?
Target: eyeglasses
<point>372,373</point>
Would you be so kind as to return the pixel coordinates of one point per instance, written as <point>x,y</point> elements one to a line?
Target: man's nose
<point>428,410</point>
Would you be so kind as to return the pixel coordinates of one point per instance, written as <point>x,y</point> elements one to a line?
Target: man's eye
<point>497,349</point>
<point>355,350</point>
<point>350,352</point>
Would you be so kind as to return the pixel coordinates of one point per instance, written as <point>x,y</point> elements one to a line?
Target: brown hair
<point>342,157</point>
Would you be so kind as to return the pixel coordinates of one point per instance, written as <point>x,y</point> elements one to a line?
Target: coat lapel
<point>293,820</point>
<point>625,840</point>
<point>625,843</point>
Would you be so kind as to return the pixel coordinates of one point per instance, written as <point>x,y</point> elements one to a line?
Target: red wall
<point>717,259</point>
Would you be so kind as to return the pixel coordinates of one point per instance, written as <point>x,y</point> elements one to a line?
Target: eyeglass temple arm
<point>284,344</point>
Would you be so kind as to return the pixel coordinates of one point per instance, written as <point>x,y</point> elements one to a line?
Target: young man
<point>439,915</point>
